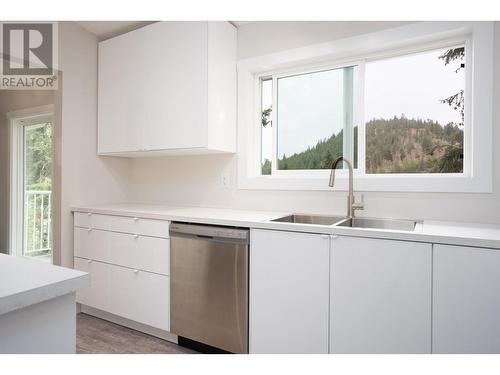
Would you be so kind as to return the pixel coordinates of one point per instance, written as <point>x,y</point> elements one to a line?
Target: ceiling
<point>108,29</point>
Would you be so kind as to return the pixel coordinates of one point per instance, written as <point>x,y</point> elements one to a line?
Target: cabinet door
<point>153,88</point>
<point>380,296</point>
<point>121,94</point>
<point>174,72</point>
<point>466,300</point>
<point>288,292</point>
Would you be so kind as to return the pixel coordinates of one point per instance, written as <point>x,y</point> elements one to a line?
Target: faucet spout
<point>334,167</point>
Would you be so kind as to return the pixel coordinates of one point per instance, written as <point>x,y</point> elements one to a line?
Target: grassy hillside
<point>398,145</point>
<point>402,145</point>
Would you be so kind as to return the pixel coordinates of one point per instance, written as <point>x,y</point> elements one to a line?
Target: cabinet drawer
<point>124,224</point>
<point>97,294</point>
<point>134,251</point>
<point>140,296</point>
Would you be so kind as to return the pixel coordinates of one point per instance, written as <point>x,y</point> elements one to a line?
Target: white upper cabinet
<point>466,300</point>
<point>168,88</point>
<point>380,296</point>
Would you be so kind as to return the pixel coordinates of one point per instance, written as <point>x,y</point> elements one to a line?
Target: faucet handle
<point>359,205</point>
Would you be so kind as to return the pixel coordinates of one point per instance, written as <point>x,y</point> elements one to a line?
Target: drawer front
<point>97,294</point>
<point>140,296</point>
<point>133,225</point>
<point>134,251</point>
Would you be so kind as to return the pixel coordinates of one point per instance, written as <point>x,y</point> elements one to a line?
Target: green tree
<point>266,167</point>
<point>39,157</point>
<point>266,116</point>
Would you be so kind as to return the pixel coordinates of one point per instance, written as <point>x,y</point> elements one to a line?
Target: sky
<point>310,105</point>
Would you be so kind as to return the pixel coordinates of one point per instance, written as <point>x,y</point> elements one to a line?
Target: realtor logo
<point>28,56</point>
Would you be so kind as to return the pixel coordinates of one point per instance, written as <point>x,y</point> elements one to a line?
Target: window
<point>413,106</point>
<point>410,107</point>
<point>314,120</point>
<point>414,111</point>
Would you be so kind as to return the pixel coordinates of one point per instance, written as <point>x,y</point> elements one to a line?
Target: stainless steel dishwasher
<point>209,285</point>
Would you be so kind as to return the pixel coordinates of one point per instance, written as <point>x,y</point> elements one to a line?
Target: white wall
<point>13,100</point>
<point>195,180</point>
<point>86,178</point>
<point>261,38</point>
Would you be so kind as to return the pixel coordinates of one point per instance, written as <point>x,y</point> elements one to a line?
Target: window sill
<point>452,183</point>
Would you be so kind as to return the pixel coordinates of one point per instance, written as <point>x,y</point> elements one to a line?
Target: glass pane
<point>38,191</point>
<point>414,107</point>
<point>266,132</point>
<point>314,112</point>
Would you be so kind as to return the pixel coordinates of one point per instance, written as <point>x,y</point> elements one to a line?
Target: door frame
<point>17,121</point>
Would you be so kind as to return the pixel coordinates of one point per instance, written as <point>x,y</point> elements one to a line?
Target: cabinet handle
<point>136,219</point>
<point>89,230</point>
<point>89,214</point>
<point>136,236</point>
<point>89,261</point>
<point>136,271</point>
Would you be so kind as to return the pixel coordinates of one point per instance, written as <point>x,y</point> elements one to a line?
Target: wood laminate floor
<point>97,336</point>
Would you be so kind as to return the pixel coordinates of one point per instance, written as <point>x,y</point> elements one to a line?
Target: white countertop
<point>25,282</point>
<point>217,216</point>
<point>453,233</point>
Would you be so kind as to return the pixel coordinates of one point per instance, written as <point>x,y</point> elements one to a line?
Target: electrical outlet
<point>225,181</point>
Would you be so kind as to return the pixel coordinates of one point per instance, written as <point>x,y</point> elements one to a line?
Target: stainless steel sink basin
<point>391,224</point>
<point>310,219</point>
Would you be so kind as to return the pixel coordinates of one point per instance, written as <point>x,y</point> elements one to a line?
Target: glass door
<point>31,186</point>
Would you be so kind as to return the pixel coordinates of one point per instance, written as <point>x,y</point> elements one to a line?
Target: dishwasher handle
<point>209,232</point>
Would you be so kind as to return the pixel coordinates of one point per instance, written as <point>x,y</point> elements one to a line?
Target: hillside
<point>398,145</point>
<point>402,145</point>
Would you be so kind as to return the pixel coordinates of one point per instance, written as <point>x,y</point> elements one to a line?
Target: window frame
<point>18,121</point>
<point>297,71</point>
<point>477,38</point>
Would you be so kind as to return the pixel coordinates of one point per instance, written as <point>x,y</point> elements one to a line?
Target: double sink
<point>357,222</point>
<point>349,221</point>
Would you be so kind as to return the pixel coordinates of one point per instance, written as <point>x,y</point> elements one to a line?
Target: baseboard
<point>128,323</point>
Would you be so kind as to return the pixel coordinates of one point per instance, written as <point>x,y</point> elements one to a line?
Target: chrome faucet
<point>352,205</point>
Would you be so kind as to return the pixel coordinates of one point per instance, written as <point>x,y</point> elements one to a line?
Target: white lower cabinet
<point>288,292</point>
<point>137,295</point>
<point>380,296</point>
<point>466,300</point>
<point>129,264</point>
<point>311,293</point>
